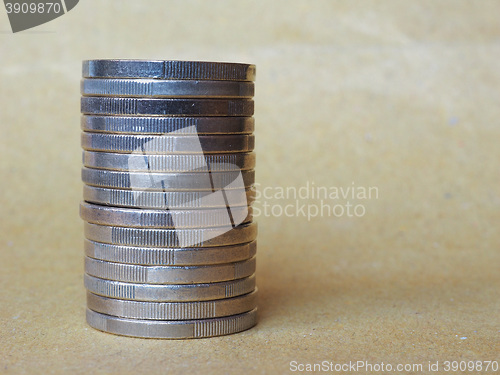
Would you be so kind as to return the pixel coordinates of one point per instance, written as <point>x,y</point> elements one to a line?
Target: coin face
<point>168,172</point>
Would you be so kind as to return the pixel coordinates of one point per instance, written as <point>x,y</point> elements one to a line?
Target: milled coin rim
<point>158,199</point>
<point>167,69</point>
<point>104,105</point>
<point>169,237</point>
<point>172,310</point>
<point>177,329</point>
<point>154,88</point>
<point>114,161</point>
<point>169,275</point>
<point>168,143</point>
<point>142,125</point>
<point>179,181</point>
<point>162,218</point>
<point>157,256</point>
<point>169,292</point>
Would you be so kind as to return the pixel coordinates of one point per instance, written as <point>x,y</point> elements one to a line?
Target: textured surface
<point>403,96</point>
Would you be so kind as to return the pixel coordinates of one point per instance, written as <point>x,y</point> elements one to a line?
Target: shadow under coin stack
<point>168,174</point>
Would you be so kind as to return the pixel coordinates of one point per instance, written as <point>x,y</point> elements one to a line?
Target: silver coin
<point>180,181</point>
<point>166,107</point>
<point>162,125</point>
<point>132,273</point>
<point>143,145</point>
<point>152,256</point>
<point>166,88</point>
<point>165,69</point>
<point>166,199</point>
<point>205,237</point>
<point>168,219</point>
<point>172,310</point>
<point>169,162</point>
<point>176,329</point>
<point>169,293</point>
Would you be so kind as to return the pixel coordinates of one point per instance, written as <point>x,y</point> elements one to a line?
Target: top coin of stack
<point>168,171</point>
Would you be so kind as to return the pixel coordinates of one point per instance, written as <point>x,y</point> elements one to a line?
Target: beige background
<point>399,95</point>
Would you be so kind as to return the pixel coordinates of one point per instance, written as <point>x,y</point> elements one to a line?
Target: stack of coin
<point>168,172</point>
